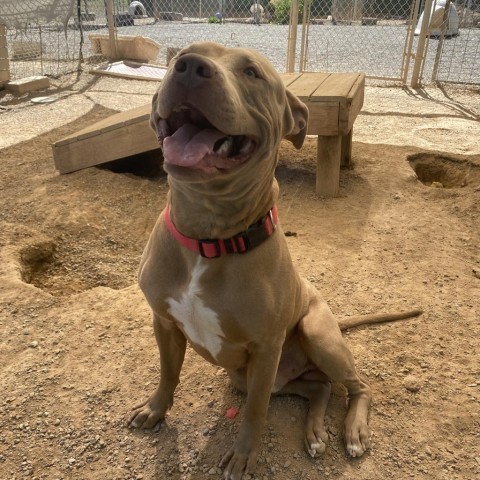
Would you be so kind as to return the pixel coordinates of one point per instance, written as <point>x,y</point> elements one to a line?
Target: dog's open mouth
<point>190,140</point>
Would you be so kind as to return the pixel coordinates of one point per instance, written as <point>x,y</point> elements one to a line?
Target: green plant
<point>213,19</point>
<point>282,11</point>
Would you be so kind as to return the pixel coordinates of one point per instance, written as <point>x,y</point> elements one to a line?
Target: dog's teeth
<point>247,147</point>
<point>225,146</point>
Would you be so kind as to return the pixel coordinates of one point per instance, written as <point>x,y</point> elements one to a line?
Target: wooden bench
<point>333,100</point>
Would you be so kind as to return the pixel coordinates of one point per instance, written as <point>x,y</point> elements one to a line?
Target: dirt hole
<point>69,268</point>
<point>441,171</point>
<point>35,259</point>
<point>144,165</point>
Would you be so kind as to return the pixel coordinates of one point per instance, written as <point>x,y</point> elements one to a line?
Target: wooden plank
<point>351,105</point>
<point>336,87</point>
<point>119,120</point>
<point>306,85</point>
<point>28,84</point>
<point>346,154</point>
<point>105,147</point>
<point>328,165</point>
<point>323,118</point>
<point>138,71</point>
<point>292,36</point>
<point>357,93</point>
<point>288,78</point>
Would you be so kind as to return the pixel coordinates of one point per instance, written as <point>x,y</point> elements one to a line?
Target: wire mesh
<point>53,37</point>
<point>458,55</point>
<point>174,24</point>
<point>358,35</point>
<point>372,36</point>
<point>40,39</point>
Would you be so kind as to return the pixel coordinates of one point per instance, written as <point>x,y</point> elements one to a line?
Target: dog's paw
<point>316,436</point>
<point>357,440</point>
<point>355,450</point>
<point>316,441</point>
<point>147,416</point>
<point>240,460</point>
<point>315,449</point>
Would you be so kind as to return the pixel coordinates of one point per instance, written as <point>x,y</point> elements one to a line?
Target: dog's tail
<point>369,319</point>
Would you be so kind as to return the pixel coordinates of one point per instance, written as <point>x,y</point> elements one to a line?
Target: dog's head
<point>220,110</point>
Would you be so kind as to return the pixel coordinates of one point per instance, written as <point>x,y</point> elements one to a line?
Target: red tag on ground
<point>232,412</point>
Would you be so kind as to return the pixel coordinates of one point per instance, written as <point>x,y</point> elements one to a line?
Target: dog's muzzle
<point>190,140</point>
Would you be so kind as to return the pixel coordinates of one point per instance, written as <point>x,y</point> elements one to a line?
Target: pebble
<point>412,384</point>
<point>34,344</point>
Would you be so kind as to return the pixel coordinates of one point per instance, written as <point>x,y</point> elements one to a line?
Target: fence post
<point>307,4</point>
<point>292,36</point>
<point>407,48</point>
<point>112,34</point>
<point>445,26</point>
<point>4,65</point>
<point>421,50</point>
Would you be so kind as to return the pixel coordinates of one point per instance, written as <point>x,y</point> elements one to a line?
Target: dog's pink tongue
<point>189,144</point>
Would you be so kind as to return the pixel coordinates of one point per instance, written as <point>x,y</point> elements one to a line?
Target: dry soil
<point>77,349</point>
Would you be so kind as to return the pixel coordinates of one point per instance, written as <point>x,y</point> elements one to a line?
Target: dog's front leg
<point>261,372</point>
<point>172,345</point>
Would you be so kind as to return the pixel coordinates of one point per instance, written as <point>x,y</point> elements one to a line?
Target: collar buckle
<point>209,248</point>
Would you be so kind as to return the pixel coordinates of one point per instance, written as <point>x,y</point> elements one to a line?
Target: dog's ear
<point>296,120</point>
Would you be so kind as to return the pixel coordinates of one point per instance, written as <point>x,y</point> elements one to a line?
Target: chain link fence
<point>53,37</point>
<point>457,57</point>
<point>40,37</point>
<point>382,38</point>
<point>360,35</point>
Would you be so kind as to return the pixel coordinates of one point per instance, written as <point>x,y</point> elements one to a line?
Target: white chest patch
<point>200,323</point>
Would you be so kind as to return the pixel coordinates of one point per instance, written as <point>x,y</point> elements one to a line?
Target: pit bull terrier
<point>217,271</point>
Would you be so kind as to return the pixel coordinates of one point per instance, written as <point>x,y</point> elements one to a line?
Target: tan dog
<point>220,115</point>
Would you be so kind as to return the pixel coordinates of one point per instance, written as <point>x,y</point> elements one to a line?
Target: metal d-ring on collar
<point>242,242</point>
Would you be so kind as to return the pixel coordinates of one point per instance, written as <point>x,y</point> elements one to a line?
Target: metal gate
<point>398,40</point>
<point>375,37</point>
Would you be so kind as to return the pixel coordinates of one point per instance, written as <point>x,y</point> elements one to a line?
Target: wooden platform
<point>333,100</point>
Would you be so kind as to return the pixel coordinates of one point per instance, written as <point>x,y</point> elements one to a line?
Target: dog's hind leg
<point>172,345</point>
<point>324,346</point>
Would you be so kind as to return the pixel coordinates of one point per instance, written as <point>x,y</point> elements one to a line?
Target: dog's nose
<point>193,70</point>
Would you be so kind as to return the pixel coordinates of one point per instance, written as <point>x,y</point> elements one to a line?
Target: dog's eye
<point>251,72</point>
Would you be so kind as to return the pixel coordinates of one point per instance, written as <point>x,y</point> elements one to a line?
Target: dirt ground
<point>77,347</point>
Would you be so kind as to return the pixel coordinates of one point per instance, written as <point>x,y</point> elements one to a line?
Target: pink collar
<point>241,243</point>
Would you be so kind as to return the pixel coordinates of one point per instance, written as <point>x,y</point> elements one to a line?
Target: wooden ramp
<point>333,100</point>
<point>118,136</point>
